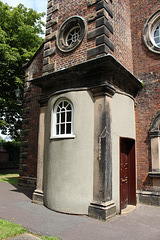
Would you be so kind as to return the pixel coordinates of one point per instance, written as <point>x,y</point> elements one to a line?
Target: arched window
<point>63,119</point>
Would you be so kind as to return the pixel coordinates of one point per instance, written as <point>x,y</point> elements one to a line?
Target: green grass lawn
<point>9,229</point>
<point>48,238</point>
<point>9,177</point>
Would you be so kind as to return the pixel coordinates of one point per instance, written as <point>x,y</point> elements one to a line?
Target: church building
<point>91,121</point>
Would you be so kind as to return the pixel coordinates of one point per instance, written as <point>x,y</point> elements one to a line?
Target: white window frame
<point>152,34</point>
<point>54,123</point>
<point>75,35</point>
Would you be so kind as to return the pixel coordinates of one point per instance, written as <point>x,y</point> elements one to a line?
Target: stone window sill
<point>154,174</point>
<point>62,137</point>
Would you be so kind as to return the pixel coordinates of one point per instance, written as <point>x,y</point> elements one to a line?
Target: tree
<point>19,40</point>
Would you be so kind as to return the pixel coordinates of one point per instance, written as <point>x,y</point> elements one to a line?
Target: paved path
<point>15,205</point>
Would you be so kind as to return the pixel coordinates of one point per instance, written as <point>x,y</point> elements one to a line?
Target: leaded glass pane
<point>157,40</point>
<point>68,128</point>
<point>58,109</point>
<point>58,118</point>
<point>57,129</point>
<point>69,116</point>
<point>62,128</point>
<point>65,103</point>
<point>73,36</point>
<point>62,117</point>
<point>157,35</point>
<point>69,107</point>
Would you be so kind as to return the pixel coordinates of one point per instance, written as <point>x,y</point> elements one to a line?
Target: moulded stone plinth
<point>150,198</point>
<point>38,197</point>
<point>102,211</point>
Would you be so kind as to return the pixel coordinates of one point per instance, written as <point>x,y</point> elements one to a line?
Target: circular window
<point>151,34</point>
<point>71,34</point>
<point>156,34</point>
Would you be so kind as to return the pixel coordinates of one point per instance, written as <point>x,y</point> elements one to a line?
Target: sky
<point>38,5</point>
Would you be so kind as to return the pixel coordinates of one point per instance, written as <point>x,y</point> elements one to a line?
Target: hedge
<point>13,149</point>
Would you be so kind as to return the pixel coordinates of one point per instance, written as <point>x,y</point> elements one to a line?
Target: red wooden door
<point>123,175</point>
<point>127,173</point>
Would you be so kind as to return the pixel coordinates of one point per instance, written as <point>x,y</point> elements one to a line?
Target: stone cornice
<point>92,73</point>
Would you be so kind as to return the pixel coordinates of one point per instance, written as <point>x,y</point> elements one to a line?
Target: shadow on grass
<point>11,180</point>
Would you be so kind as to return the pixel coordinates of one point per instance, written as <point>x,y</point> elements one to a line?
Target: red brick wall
<point>148,104</point>
<point>146,67</point>
<point>122,33</point>
<point>121,37</point>
<point>33,127</point>
<point>143,59</point>
<point>66,10</point>
<point>29,141</point>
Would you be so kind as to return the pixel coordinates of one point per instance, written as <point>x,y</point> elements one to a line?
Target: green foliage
<point>8,229</point>
<point>49,238</point>
<point>19,40</point>
<point>13,149</point>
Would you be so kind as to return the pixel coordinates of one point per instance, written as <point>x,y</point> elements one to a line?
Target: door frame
<point>131,170</point>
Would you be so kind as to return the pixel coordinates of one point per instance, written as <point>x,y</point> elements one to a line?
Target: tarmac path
<point>15,205</point>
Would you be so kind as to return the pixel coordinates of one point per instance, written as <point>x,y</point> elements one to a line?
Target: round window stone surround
<point>148,32</point>
<point>71,23</point>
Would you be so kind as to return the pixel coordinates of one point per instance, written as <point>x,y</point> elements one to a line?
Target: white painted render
<point>123,125</point>
<point>68,172</point>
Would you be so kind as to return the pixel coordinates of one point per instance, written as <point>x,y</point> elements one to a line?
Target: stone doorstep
<point>128,209</point>
<point>25,236</point>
